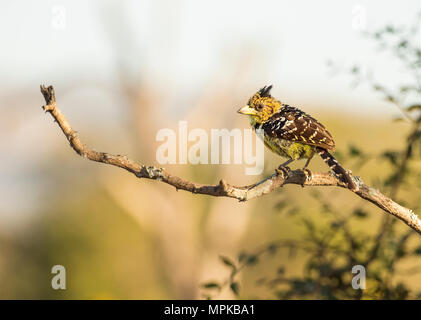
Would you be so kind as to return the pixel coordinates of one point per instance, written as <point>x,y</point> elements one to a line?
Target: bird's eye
<point>259,107</point>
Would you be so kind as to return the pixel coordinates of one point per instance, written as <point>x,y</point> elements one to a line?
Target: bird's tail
<point>339,171</point>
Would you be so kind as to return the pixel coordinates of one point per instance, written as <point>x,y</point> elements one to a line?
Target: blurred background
<point>123,70</point>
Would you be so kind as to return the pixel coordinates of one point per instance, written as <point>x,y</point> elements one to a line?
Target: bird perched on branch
<point>293,134</point>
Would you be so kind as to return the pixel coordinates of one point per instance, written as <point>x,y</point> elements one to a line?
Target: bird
<point>292,134</point>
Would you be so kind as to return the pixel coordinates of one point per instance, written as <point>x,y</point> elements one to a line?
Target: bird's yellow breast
<point>289,149</point>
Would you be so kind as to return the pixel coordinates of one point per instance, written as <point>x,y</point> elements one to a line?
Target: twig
<point>223,189</point>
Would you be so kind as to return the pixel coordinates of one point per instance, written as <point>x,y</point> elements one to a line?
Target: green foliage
<point>211,285</point>
<point>227,262</point>
<point>360,213</point>
<point>417,250</point>
<point>234,286</point>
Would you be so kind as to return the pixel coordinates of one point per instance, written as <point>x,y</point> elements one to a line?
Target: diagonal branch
<point>223,189</point>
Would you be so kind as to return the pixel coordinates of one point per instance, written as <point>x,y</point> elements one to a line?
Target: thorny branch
<point>223,189</point>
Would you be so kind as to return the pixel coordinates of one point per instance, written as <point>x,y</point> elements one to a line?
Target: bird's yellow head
<point>261,106</point>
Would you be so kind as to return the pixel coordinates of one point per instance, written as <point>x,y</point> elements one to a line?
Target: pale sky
<point>182,44</point>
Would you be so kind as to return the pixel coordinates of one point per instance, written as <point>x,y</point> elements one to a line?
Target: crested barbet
<point>293,134</point>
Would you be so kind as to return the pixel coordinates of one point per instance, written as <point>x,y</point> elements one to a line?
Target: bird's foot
<point>283,170</point>
<point>308,174</point>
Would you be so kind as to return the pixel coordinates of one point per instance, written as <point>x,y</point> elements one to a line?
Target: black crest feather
<point>265,91</point>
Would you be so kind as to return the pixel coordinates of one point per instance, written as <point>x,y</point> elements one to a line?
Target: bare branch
<point>223,189</point>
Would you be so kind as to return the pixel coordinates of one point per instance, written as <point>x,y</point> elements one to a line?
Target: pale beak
<point>247,110</point>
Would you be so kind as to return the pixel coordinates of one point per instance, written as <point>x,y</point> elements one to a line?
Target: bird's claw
<point>283,170</point>
<point>308,174</point>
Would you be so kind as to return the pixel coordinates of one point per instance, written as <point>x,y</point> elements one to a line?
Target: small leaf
<point>404,89</point>
<point>293,211</point>
<point>272,248</point>
<point>360,213</point>
<point>280,205</point>
<point>414,107</point>
<point>392,156</point>
<point>355,70</point>
<point>390,29</point>
<point>252,260</point>
<point>227,262</point>
<point>211,285</point>
<point>377,87</point>
<point>281,270</point>
<point>400,252</point>
<point>234,288</point>
<point>336,224</point>
<point>390,98</point>
<point>354,151</point>
<point>398,119</point>
<point>417,250</point>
